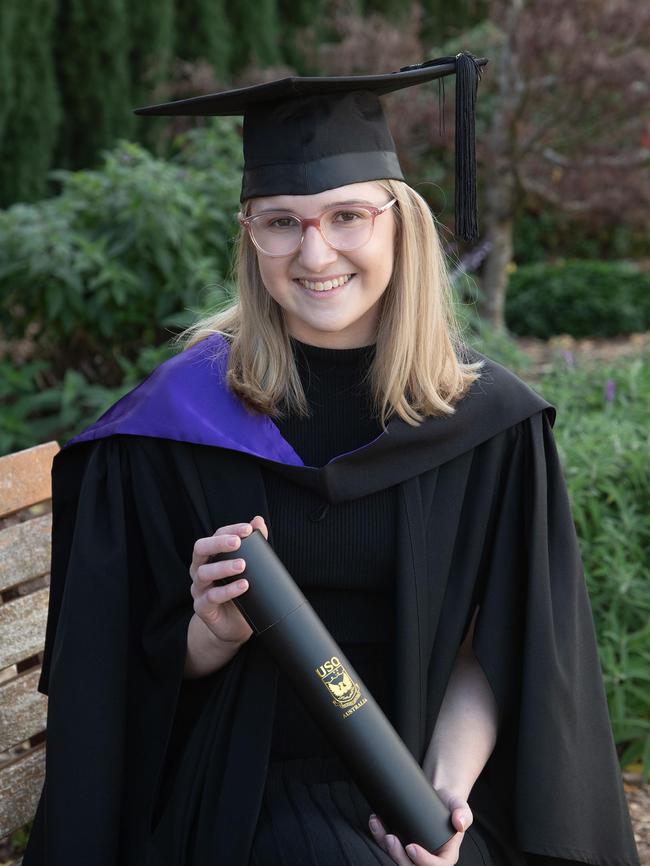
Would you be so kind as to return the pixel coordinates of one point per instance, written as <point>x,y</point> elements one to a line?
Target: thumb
<point>462,819</point>
<point>258,523</point>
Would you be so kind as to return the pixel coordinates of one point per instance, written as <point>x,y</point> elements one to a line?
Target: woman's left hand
<point>461,817</point>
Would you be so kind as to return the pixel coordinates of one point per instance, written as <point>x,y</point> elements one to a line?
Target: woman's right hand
<point>214,604</point>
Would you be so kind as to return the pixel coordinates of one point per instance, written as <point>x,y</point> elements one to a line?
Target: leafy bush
<point>33,413</point>
<point>604,441</point>
<point>551,234</point>
<point>478,333</point>
<point>581,298</point>
<point>121,252</point>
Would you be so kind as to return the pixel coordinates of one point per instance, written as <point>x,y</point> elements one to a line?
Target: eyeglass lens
<point>280,233</point>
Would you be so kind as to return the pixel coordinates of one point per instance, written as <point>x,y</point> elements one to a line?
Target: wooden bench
<point>25,539</point>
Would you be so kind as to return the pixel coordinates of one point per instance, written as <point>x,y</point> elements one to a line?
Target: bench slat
<point>21,783</point>
<point>25,477</point>
<point>25,551</point>
<point>23,710</point>
<point>22,626</point>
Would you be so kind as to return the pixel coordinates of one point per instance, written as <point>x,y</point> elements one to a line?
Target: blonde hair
<point>419,367</point>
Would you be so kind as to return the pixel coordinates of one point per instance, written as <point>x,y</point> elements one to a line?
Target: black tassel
<point>468,73</point>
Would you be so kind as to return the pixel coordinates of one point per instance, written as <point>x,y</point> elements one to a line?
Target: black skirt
<point>313,814</point>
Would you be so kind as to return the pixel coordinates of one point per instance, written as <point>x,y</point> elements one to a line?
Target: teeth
<point>327,285</point>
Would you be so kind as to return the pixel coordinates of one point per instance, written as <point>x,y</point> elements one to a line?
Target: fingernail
<point>411,851</point>
<point>391,840</point>
<point>462,822</point>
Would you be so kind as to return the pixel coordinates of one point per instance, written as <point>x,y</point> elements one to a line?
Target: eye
<point>350,217</point>
<point>280,221</point>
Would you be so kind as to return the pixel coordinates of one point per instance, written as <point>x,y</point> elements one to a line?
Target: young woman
<point>413,490</point>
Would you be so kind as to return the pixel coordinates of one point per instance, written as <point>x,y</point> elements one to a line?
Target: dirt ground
<point>638,801</point>
<point>544,353</point>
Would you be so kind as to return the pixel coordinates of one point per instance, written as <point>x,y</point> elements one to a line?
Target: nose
<point>315,254</point>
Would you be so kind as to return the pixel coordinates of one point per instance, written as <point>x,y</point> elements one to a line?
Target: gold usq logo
<point>339,683</point>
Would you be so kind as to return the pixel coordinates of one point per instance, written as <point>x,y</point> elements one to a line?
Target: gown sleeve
<point>115,648</point>
<point>143,767</point>
<point>554,766</point>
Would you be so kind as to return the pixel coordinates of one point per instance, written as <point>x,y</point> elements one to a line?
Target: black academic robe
<point>146,769</point>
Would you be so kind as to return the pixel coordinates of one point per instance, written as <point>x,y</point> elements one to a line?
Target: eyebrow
<point>326,207</point>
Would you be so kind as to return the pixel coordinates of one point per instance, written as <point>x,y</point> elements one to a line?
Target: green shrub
<point>33,412</point>
<point>604,442</point>
<point>497,345</point>
<point>581,298</point>
<point>120,254</point>
<point>547,234</point>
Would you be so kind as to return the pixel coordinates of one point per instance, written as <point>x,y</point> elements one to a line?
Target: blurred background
<point>117,231</point>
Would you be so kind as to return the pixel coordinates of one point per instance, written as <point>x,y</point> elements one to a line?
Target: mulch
<point>638,801</point>
<point>545,354</point>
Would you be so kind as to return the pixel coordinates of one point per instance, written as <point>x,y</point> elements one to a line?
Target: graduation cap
<point>306,135</point>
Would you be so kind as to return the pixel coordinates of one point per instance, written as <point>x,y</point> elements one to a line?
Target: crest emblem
<point>339,683</point>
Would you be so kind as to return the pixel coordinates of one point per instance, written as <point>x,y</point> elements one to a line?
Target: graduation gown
<point>145,768</point>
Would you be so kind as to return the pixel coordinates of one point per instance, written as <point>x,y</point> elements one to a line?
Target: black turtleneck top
<point>341,555</point>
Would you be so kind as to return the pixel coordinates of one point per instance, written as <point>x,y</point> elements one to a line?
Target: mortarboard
<point>303,135</point>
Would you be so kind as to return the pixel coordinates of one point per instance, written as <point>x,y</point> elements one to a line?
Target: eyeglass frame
<point>305,222</point>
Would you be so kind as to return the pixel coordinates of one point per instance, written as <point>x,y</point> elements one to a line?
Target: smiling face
<point>344,315</point>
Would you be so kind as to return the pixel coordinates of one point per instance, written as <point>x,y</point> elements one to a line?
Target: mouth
<point>328,285</point>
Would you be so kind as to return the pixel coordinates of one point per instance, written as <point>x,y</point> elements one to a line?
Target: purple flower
<point>568,357</point>
<point>610,390</point>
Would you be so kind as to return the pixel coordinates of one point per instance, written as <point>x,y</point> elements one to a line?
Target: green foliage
<point>8,14</point>
<point>119,255</point>
<point>151,37</point>
<point>442,20</point>
<point>394,10</point>
<point>203,32</point>
<point>91,43</point>
<point>550,234</point>
<point>295,16</point>
<point>581,298</point>
<point>497,345</point>
<point>255,34</point>
<point>33,413</point>
<point>604,441</point>
<point>32,115</point>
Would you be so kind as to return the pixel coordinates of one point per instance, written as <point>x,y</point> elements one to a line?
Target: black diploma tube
<point>384,769</point>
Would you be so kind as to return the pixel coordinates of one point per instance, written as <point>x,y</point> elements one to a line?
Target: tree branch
<point>635,159</point>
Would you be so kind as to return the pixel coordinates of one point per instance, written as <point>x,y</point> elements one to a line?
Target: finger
<point>421,857</point>
<point>213,603</point>
<point>205,547</point>
<point>222,594</point>
<point>378,832</point>
<point>397,852</point>
<point>233,528</point>
<point>387,842</point>
<point>258,523</point>
<point>212,571</point>
<point>445,855</point>
<point>462,818</point>
<point>199,589</point>
<point>218,544</point>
